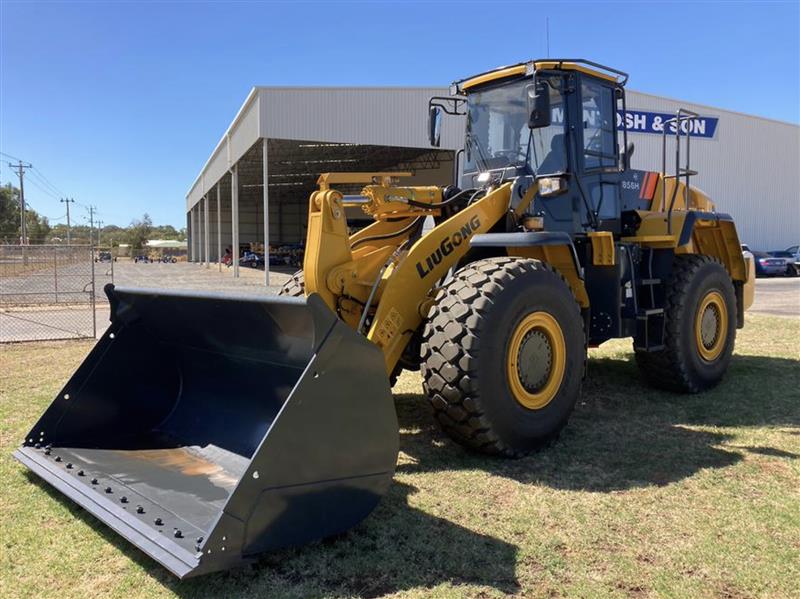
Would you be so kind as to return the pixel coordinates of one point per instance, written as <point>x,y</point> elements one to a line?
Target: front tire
<point>503,356</point>
<point>699,328</point>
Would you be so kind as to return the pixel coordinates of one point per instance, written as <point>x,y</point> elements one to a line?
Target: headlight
<point>552,186</point>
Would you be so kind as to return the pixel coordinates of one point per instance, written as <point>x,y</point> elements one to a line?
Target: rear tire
<point>295,286</point>
<point>503,356</point>
<point>698,345</point>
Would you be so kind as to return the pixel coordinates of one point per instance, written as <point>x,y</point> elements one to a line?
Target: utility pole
<point>91,223</point>
<point>68,201</point>
<point>21,166</point>
<point>99,230</point>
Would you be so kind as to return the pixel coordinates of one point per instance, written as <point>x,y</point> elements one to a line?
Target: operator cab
<point>552,121</point>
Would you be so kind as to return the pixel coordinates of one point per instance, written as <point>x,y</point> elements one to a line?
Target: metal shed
<point>289,135</point>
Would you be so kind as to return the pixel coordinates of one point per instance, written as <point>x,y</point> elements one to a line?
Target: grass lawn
<point>646,493</point>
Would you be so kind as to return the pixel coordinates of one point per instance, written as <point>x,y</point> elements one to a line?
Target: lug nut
<point>123,499</point>
<point>81,473</point>
<point>199,540</point>
<point>46,451</point>
<point>178,534</point>
<point>158,522</point>
<point>69,466</point>
<point>58,458</point>
<point>94,481</point>
<point>108,489</point>
<point>37,445</point>
<point>139,509</point>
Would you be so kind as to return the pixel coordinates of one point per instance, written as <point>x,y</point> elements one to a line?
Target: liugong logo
<point>447,245</point>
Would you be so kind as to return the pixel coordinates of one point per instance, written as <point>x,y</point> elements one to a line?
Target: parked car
<point>141,259</point>
<point>767,265</point>
<point>252,260</point>
<point>169,259</point>
<point>103,257</point>
<point>792,269</point>
<point>795,252</point>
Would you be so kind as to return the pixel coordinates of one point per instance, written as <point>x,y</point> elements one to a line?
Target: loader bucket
<point>206,429</point>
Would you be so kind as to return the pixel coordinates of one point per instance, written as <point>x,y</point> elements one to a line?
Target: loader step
<point>649,330</point>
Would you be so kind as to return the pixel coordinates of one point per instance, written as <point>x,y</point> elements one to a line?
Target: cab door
<point>598,151</point>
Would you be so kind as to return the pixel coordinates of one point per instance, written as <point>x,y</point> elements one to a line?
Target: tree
<point>139,232</point>
<point>9,214</point>
<point>38,228</point>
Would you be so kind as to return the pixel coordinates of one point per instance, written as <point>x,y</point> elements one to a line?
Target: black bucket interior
<point>175,404</point>
<point>208,428</point>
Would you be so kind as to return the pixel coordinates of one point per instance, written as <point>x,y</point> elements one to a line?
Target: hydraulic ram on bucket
<point>206,428</point>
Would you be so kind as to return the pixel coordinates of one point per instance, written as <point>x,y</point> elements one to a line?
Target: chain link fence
<point>51,292</point>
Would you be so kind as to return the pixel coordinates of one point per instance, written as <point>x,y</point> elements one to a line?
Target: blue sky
<point>118,104</point>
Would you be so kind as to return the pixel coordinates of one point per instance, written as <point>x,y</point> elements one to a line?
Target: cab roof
<point>528,68</point>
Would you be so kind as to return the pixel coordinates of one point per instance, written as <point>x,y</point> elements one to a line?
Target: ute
<point>208,428</point>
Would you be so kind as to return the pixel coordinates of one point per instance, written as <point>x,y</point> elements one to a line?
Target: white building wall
<point>750,168</point>
<point>368,116</point>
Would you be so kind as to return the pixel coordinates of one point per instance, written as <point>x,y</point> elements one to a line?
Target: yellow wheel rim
<point>711,326</point>
<point>536,360</point>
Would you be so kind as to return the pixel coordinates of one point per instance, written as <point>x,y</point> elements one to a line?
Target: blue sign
<point>638,121</point>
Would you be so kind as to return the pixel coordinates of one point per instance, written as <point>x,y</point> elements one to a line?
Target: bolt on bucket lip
<point>228,439</point>
<point>160,547</point>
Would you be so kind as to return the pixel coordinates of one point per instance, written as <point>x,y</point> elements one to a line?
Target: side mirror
<point>538,99</point>
<point>435,125</point>
<point>627,154</point>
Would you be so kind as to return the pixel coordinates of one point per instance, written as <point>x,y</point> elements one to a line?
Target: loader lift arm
<point>387,269</point>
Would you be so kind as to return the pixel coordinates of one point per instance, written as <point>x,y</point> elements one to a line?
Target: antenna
<point>547,33</point>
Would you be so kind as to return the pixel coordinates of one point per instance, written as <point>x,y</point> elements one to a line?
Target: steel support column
<point>265,172</point>
<point>196,236</point>
<point>235,219</point>
<point>219,231</point>
<point>206,235</point>
<point>190,235</point>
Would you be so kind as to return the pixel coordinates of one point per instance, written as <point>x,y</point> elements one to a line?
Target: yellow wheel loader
<point>208,428</point>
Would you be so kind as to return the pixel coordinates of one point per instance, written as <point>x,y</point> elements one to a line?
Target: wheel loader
<point>209,428</point>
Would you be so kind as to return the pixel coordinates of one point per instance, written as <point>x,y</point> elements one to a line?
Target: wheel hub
<point>534,361</point>
<point>711,326</point>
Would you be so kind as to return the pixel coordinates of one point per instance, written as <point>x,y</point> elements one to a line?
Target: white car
<point>794,251</point>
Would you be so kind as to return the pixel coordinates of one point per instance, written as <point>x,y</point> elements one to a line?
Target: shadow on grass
<point>624,434</point>
<point>396,548</point>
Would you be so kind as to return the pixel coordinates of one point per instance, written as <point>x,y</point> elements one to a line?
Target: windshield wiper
<point>483,163</point>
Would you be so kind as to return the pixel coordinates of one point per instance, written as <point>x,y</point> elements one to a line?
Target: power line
<point>42,189</point>
<point>46,180</point>
<point>10,156</point>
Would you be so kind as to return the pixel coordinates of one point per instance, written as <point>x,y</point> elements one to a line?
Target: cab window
<point>599,151</point>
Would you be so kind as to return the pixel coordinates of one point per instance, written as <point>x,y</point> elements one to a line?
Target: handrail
<point>682,115</point>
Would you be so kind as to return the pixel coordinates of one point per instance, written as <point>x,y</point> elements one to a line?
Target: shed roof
<point>384,116</point>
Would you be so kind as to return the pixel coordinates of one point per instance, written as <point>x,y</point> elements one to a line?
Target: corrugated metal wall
<point>751,169</point>
<point>369,116</point>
